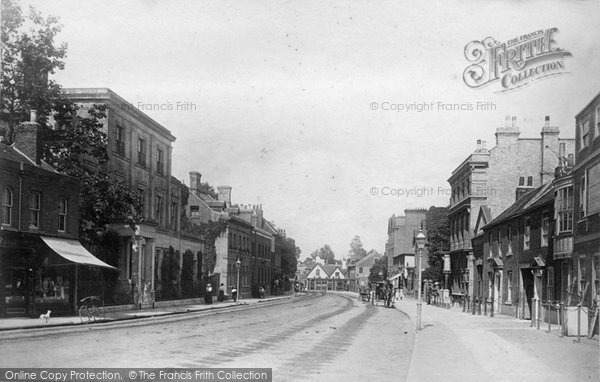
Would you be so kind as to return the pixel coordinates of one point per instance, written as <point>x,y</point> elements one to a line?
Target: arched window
<point>7,205</point>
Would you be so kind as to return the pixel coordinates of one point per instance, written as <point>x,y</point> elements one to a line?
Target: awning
<point>73,251</point>
<point>496,262</point>
<point>537,262</point>
<point>394,277</point>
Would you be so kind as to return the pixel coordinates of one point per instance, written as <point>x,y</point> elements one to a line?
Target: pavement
<point>164,308</point>
<point>458,346</point>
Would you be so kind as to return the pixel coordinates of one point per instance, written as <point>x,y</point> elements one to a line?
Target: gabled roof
<point>11,153</point>
<point>483,218</point>
<point>368,257</point>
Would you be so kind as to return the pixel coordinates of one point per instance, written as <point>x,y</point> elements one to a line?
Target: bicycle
<point>90,311</point>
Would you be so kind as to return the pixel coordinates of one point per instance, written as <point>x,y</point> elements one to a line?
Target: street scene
<point>299,191</point>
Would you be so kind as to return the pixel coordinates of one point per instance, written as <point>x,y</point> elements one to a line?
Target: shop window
<point>7,205</point>
<point>52,284</point>
<point>34,209</point>
<point>62,214</point>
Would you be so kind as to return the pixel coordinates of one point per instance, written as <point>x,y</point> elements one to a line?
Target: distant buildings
<point>358,271</point>
<point>326,277</point>
<point>400,247</point>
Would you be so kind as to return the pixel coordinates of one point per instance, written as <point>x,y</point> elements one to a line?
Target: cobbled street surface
<point>332,337</point>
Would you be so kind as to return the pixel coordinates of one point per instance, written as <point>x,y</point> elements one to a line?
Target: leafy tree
<point>325,253</point>
<point>438,238</point>
<point>29,56</point>
<point>356,249</point>
<point>379,270</point>
<point>289,262</point>
<point>104,197</point>
<point>206,188</point>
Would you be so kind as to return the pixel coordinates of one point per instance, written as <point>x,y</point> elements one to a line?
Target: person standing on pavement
<point>208,294</point>
<point>234,294</point>
<point>221,296</point>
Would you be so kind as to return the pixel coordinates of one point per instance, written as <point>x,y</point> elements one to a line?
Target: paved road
<point>330,338</point>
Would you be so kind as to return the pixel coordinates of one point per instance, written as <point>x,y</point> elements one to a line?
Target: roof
<point>531,200</point>
<point>13,154</point>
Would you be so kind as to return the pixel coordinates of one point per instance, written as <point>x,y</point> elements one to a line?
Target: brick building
<point>400,248</point>
<point>140,152</point>
<point>586,195</point>
<point>514,264</point>
<point>40,254</point>
<point>484,185</point>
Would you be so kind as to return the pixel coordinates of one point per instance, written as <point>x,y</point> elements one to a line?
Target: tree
<point>326,253</point>
<point>104,198</point>
<point>207,189</point>
<point>356,249</point>
<point>438,238</point>
<point>29,57</point>
<point>289,262</point>
<point>378,271</point>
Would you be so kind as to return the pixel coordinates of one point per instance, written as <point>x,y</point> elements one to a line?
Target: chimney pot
<point>514,122</point>
<point>483,145</point>
<point>507,121</point>
<point>547,120</point>
<point>479,144</point>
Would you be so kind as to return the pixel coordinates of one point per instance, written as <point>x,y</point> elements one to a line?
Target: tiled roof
<point>532,199</point>
<point>13,154</point>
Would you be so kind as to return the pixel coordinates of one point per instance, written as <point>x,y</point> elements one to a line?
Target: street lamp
<point>420,240</point>
<point>238,265</point>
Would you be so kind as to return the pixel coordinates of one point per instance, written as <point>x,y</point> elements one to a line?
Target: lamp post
<point>420,240</point>
<point>238,265</point>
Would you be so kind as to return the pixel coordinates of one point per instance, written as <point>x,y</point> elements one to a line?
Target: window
<point>509,287</point>
<point>34,209</point>
<point>509,239</point>
<point>141,152</point>
<point>490,245</point>
<point>564,207</point>
<point>521,181</point>
<point>337,274</point>
<point>530,181</point>
<point>173,215</point>
<point>545,228</point>
<point>195,211</point>
<point>120,140</point>
<point>7,205</point>
<point>584,128</point>
<point>360,270</point>
<point>581,273</point>
<point>158,208</point>
<point>62,214</point>
<point>318,273</point>
<point>159,161</point>
<point>593,190</point>
<point>583,196</point>
<point>498,246</point>
<point>527,234</point>
<point>142,193</point>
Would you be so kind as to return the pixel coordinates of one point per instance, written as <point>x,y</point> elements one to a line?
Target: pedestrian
<point>234,294</point>
<point>261,292</point>
<point>372,296</point>
<point>208,294</point>
<point>221,296</point>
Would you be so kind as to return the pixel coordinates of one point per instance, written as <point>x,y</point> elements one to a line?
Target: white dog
<point>45,317</point>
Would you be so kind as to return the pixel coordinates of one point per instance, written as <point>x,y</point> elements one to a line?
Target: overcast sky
<point>280,95</point>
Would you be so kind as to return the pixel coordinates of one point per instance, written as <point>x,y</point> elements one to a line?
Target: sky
<point>305,106</point>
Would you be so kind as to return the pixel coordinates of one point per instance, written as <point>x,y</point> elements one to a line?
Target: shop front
<point>40,273</point>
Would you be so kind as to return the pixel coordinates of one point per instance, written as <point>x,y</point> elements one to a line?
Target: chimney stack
<point>547,121</point>
<point>195,177</point>
<point>28,139</point>
<point>224,193</point>
<point>478,144</point>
